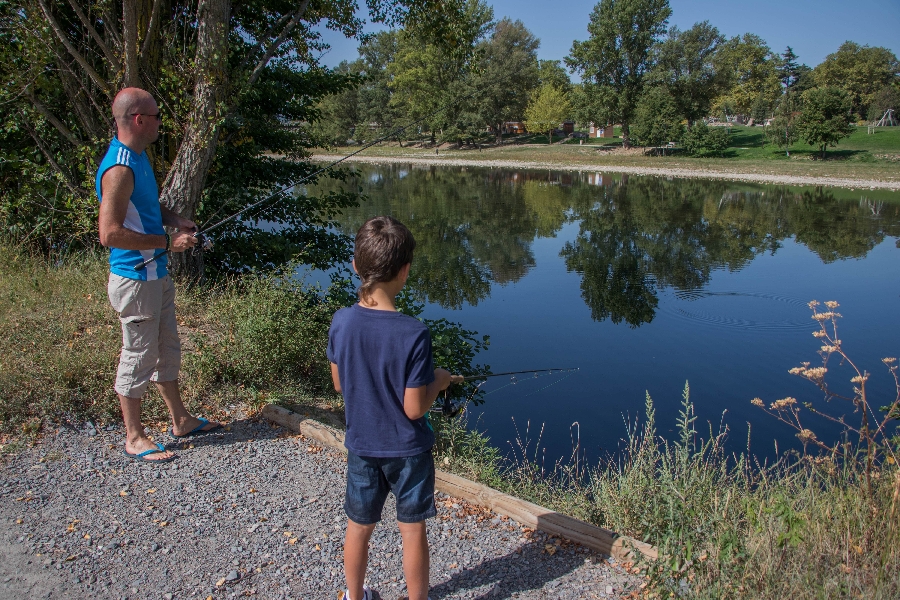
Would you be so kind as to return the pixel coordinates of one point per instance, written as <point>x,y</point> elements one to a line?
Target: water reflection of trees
<point>472,228</point>
<point>637,235</point>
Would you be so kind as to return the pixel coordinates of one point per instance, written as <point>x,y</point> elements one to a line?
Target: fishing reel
<point>204,242</point>
<point>449,407</point>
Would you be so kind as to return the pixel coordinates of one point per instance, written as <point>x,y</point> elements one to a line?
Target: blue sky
<point>813,28</point>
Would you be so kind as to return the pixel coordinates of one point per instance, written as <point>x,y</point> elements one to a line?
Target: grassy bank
<point>807,527</point>
<point>861,157</point>
<point>245,342</point>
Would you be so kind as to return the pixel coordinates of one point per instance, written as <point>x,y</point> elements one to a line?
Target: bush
<point>249,340</point>
<point>702,140</point>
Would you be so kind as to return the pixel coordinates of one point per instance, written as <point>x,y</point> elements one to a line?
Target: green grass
<point>751,143</point>
<point>246,342</point>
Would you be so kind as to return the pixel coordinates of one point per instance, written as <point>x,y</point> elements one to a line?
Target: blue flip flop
<point>142,456</point>
<point>198,430</point>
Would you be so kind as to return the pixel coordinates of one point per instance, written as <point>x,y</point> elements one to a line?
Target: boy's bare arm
<point>418,401</point>
<point>335,378</point>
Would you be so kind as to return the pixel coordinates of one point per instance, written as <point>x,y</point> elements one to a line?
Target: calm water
<point>643,284</point>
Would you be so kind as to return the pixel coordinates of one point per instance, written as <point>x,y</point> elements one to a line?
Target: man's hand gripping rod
<point>203,242</point>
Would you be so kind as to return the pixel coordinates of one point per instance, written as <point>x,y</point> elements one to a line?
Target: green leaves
<point>617,55</point>
<point>548,108</point>
<point>825,118</point>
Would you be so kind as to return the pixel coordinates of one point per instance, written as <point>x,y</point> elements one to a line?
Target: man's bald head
<point>137,118</point>
<point>131,101</point>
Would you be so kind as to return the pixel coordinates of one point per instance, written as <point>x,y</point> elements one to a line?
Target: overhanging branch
<point>110,55</point>
<point>273,47</point>
<point>59,125</point>
<point>101,83</point>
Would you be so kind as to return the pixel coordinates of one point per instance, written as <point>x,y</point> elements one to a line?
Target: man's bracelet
<point>168,242</point>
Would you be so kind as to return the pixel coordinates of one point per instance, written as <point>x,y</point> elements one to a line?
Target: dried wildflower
<point>829,348</point>
<point>832,304</point>
<point>813,304</point>
<point>860,378</point>
<point>784,403</point>
<point>757,402</point>
<point>816,373</point>
<point>819,334</point>
<point>798,371</point>
<point>819,316</point>
<point>806,435</point>
<point>889,360</point>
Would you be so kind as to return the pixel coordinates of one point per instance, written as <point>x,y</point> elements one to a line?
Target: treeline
<point>658,82</point>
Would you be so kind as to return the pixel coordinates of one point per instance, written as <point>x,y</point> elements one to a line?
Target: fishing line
<point>450,409</point>
<point>566,376</point>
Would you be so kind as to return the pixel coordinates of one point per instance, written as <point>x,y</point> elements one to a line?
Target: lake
<point>644,284</point>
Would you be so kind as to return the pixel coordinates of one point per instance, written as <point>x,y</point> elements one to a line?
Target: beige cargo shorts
<point>151,350</point>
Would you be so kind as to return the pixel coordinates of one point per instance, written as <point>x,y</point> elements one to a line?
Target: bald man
<point>131,225</point>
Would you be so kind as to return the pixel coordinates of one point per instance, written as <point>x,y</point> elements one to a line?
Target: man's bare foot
<point>193,425</point>
<point>143,444</point>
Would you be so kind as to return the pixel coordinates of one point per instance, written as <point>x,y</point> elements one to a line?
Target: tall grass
<point>726,526</point>
<point>247,341</point>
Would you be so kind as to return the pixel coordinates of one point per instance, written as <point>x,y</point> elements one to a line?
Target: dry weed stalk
<point>873,428</point>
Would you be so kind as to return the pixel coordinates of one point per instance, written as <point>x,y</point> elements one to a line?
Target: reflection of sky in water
<point>733,339</point>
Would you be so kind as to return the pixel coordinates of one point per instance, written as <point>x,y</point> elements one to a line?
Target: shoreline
<point>680,173</point>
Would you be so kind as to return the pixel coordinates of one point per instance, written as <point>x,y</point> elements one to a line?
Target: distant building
<point>600,132</point>
<point>514,127</point>
<point>568,127</point>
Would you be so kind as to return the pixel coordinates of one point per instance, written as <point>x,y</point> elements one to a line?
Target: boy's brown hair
<point>383,245</point>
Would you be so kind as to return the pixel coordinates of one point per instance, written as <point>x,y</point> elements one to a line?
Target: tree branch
<point>37,140</point>
<point>101,83</point>
<point>110,56</point>
<point>43,110</point>
<point>152,27</point>
<point>273,47</point>
<point>109,23</point>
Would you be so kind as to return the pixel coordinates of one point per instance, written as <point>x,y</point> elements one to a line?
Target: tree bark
<point>184,183</point>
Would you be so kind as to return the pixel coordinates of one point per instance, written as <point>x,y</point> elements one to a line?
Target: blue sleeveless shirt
<point>143,216</point>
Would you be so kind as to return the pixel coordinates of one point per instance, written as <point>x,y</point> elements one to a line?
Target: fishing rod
<point>549,371</point>
<point>449,408</point>
<point>204,241</point>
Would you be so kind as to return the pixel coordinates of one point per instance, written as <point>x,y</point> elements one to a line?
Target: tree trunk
<point>499,133</point>
<point>184,183</point>
<point>626,138</point>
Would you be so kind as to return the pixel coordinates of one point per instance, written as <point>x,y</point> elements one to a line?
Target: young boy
<point>381,362</point>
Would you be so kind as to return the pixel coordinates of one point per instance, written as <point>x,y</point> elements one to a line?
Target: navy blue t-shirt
<point>379,354</point>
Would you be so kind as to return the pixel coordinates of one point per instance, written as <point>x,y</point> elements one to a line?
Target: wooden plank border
<point>526,513</point>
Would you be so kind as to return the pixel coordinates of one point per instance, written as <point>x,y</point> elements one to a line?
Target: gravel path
<point>254,511</point>
<point>654,171</point>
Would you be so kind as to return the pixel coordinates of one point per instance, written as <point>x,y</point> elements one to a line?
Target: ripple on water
<point>740,310</point>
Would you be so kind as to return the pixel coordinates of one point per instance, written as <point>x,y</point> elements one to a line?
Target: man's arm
<point>172,219</point>
<point>418,401</point>
<point>117,186</point>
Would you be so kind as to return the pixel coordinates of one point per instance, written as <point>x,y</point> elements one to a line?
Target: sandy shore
<point>654,171</point>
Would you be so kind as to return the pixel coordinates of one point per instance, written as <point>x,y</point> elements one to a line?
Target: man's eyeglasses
<point>157,116</point>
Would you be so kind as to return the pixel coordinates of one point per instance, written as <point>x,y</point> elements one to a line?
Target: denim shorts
<point>369,479</point>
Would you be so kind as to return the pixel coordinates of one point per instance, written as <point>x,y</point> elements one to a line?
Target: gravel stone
<point>252,511</point>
